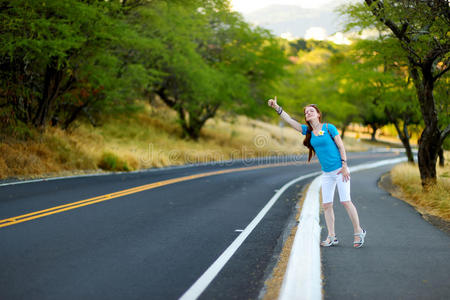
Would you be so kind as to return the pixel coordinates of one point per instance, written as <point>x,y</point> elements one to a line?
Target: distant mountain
<point>294,19</point>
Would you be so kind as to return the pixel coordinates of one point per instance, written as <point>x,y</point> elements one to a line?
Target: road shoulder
<point>385,182</point>
<point>404,257</point>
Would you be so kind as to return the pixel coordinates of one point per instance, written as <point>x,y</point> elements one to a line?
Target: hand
<point>273,102</point>
<point>345,173</point>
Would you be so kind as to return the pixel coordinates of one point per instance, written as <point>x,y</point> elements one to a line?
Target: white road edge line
<point>202,283</point>
<point>302,279</point>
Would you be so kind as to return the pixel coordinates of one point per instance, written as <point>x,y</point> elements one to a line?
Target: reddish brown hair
<point>307,140</point>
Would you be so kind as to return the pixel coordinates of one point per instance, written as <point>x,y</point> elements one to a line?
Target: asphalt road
<point>153,244</point>
<point>404,256</point>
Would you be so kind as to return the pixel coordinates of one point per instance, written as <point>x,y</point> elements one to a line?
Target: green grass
<point>111,162</point>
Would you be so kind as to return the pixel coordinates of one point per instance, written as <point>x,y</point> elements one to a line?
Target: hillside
<point>148,139</point>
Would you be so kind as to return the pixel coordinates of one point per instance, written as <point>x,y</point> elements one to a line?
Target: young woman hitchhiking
<point>324,141</point>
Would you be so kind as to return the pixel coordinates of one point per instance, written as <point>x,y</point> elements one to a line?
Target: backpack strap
<point>330,134</point>
<point>329,131</point>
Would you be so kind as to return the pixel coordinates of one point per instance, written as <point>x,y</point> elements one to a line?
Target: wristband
<point>279,110</point>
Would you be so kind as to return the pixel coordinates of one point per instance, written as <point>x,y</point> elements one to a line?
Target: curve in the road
<point>106,197</point>
<point>303,274</point>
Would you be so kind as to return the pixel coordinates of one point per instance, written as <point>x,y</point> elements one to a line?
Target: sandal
<point>361,235</point>
<point>330,241</point>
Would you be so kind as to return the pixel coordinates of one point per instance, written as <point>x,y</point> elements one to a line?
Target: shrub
<point>111,162</point>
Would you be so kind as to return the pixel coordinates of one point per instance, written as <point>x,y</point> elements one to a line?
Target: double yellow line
<point>61,208</point>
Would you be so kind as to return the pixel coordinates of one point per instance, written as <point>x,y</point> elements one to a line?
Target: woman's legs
<point>353,214</point>
<point>329,217</point>
<point>328,187</point>
<point>344,195</point>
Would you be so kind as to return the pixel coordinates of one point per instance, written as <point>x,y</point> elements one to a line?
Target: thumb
<point>340,171</point>
<point>275,99</point>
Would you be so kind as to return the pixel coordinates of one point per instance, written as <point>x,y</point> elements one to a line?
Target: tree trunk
<point>343,131</point>
<point>194,128</point>
<point>406,143</point>
<point>421,69</point>
<point>190,125</point>
<point>75,113</point>
<point>427,158</point>
<point>52,83</point>
<point>193,125</point>
<point>347,122</point>
<point>191,121</point>
<point>430,139</point>
<point>441,157</point>
<point>403,135</point>
<point>374,132</point>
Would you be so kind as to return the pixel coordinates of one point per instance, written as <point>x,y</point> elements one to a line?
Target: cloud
<point>247,6</point>
<point>288,36</point>
<point>339,38</point>
<point>320,34</point>
<point>294,19</point>
<point>316,33</point>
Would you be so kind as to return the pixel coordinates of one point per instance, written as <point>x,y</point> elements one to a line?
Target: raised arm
<point>284,115</point>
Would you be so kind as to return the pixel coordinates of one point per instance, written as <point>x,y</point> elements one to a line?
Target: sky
<point>247,6</point>
<point>296,18</point>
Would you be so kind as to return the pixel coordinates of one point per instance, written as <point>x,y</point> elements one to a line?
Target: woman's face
<point>311,113</point>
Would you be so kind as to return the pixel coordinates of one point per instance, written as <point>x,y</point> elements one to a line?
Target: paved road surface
<point>148,245</point>
<point>404,257</point>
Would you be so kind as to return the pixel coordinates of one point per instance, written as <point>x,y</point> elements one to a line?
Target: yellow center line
<point>85,202</point>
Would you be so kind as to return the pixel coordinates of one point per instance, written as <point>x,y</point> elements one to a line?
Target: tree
<point>421,29</point>
<point>60,59</point>
<point>210,58</point>
<point>64,59</point>
<point>316,77</point>
<point>383,69</point>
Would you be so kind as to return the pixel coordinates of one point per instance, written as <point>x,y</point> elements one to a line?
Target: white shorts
<point>329,181</point>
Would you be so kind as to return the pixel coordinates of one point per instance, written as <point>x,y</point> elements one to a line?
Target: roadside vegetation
<point>151,138</point>
<point>435,201</point>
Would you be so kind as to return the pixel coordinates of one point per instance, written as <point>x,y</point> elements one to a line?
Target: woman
<point>324,141</point>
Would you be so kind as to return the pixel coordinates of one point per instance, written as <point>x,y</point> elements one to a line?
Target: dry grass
<point>436,201</point>
<point>49,154</point>
<point>151,138</point>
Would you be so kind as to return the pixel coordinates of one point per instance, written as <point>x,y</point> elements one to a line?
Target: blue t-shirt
<point>326,150</point>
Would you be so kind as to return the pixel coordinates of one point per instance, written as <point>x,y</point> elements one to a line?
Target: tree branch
<point>404,28</point>
<point>405,125</point>
<point>161,93</point>
<point>210,112</point>
<point>378,11</point>
<point>441,73</point>
<point>399,33</point>
<point>393,121</point>
<point>444,134</point>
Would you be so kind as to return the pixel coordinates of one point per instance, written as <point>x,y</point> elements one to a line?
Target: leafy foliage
<point>421,30</point>
<point>53,58</point>
<point>65,59</point>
